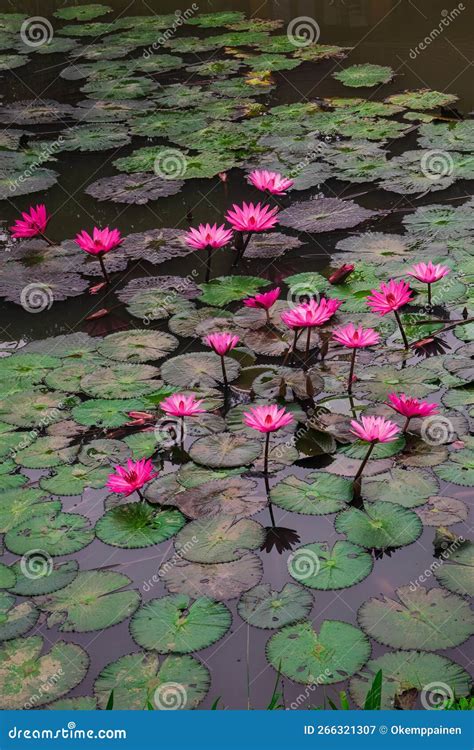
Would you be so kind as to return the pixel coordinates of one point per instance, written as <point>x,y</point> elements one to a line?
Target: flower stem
<point>265,472</point>
<point>46,239</point>
<point>308,341</point>
<point>405,426</point>
<point>245,245</point>
<point>226,384</point>
<point>182,433</point>
<point>208,265</point>
<point>429,294</point>
<point>140,495</point>
<point>402,331</point>
<point>351,371</point>
<point>362,466</point>
<point>104,271</point>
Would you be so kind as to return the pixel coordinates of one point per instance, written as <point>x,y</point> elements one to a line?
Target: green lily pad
<point>427,619</point>
<point>15,620</point>
<point>18,505</point>
<point>456,568</point>
<point>33,407</point>
<point>137,346</point>
<point>121,381</point>
<point>380,525</point>
<point>82,703</point>
<point>323,494</point>
<point>443,511</point>
<point>83,12</point>
<point>324,215</point>
<point>106,412</point>
<point>53,533</point>
<point>450,136</point>
<point>378,381</point>
<point>198,370</point>
<point>459,469</point>
<point>177,624</point>
<point>364,75</point>
<point>24,672</point>
<point>136,525</point>
<point>28,368</point>
<point>138,681</point>
<point>7,577</point>
<point>264,608</point>
<point>324,657</point>
<point>225,450</point>
<point>225,289</point>
<point>421,99</point>
<point>409,488</point>
<point>46,452</point>
<point>359,448</point>
<point>440,222</point>
<point>321,567</point>
<point>410,670</point>
<point>104,451</point>
<point>90,602</point>
<point>220,581</point>
<point>73,480</point>
<point>218,539</point>
<point>46,578</point>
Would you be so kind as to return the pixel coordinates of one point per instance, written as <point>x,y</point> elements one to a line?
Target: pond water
<point>381,32</point>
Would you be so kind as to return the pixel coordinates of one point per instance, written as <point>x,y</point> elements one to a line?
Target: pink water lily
<point>263,301</point>
<point>428,274</point>
<point>309,315</point>
<point>267,418</point>
<point>411,407</point>
<point>389,298</point>
<point>271,182</point>
<point>182,405</point>
<point>208,236</point>
<point>251,218</point>
<point>355,338</point>
<point>132,478</point>
<point>372,430</point>
<point>341,274</point>
<point>32,224</point>
<point>101,242</point>
<point>221,343</point>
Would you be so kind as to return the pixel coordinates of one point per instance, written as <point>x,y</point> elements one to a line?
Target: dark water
<point>380,31</point>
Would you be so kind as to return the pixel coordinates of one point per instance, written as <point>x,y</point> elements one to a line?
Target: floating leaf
<point>231,496</point>
<point>197,370</point>
<point>103,451</point>
<point>15,620</point>
<point>121,381</point>
<point>456,567</point>
<point>320,567</point>
<point>309,657</point>
<point>53,533</point>
<point>139,681</point>
<point>176,623</point>
<point>459,470</point>
<point>225,450</point>
<point>422,99</point>
<point>407,670</point>
<point>225,289</point>
<point>451,136</point>
<point>322,494</point>
<point>83,12</point>
<point>139,188</point>
<point>135,525</point>
<point>407,488</point>
<point>46,452</point>
<point>380,525</point>
<point>264,608</point>
<point>106,412</point>
<point>324,215</point>
<point>24,672</point>
<point>90,602</point>
<point>220,581</point>
<point>73,480</point>
<point>357,76</point>
<point>17,506</point>
<point>137,346</point>
<point>221,538</point>
<point>443,511</point>
<point>420,619</point>
<point>46,577</point>
<point>7,577</point>
<point>33,407</point>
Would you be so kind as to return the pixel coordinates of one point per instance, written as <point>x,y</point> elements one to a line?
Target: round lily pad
<point>231,496</point>
<point>106,412</point>
<point>456,569</point>
<point>443,511</point>
<point>137,346</point>
<point>7,577</point>
<point>459,470</point>
<point>104,451</point>
<point>139,682</point>
<point>17,506</point>
<point>323,494</point>
<point>357,76</point>
<point>324,657</point>
<point>420,618</point>
<point>33,407</point>
<point>410,670</point>
<point>380,525</point>
<point>24,672</point>
<point>221,291</point>
<point>198,370</point>
<point>73,480</point>
<point>220,581</point>
<point>46,452</point>
<point>15,620</point>
<point>121,381</point>
<point>409,488</point>
<point>47,578</point>
<point>92,601</point>
<point>53,533</point>
<point>225,450</point>
<point>264,608</point>
<point>221,538</point>
<point>137,525</point>
<point>321,567</point>
<point>177,624</point>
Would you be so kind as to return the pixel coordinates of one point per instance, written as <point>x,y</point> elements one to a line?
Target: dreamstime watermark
<point>436,695</point>
<point>44,689</point>
<point>169,33</point>
<point>36,31</point>
<point>429,572</point>
<point>437,164</point>
<point>170,164</point>
<point>36,297</point>
<point>303,564</point>
<point>169,564</point>
<point>170,696</point>
<point>437,430</point>
<point>303,31</point>
<point>169,431</point>
<point>321,679</point>
<point>36,564</point>
<point>447,17</point>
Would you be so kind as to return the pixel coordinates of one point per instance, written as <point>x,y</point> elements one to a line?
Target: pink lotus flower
<point>341,274</point>
<point>250,218</point>
<point>102,240</point>
<point>428,273</point>
<point>356,338</point>
<point>310,314</point>
<point>375,430</point>
<point>207,236</point>
<point>263,301</point>
<point>131,479</point>
<point>180,405</point>
<point>410,407</point>
<point>272,182</point>
<point>267,418</point>
<point>33,223</point>
<point>221,343</point>
<point>390,297</point>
